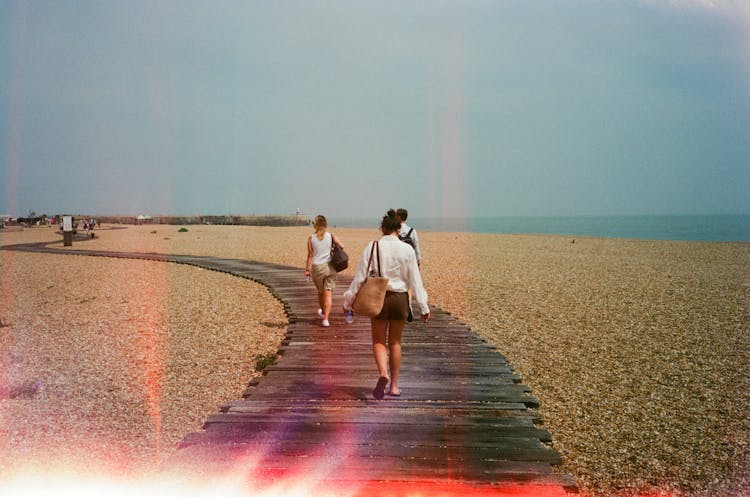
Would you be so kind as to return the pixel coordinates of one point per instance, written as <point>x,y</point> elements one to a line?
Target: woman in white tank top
<point>319,265</point>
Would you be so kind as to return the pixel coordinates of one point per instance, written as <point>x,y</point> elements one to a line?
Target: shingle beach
<point>639,351</point>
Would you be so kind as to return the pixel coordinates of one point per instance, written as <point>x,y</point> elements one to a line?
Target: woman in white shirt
<point>319,265</point>
<point>399,265</point>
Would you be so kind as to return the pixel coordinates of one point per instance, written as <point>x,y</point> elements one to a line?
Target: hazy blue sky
<point>448,108</point>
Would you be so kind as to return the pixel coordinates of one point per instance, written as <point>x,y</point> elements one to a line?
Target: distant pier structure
<point>297,219</point>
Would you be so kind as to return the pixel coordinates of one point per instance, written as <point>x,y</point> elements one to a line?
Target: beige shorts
<point>324,276</point>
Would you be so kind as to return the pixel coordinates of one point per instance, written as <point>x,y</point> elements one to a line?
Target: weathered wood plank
<point>486,408</point>
<point>500,426</point>
<point>312,381</point>
<point>410,378</point>
<point>483,457</point>
<point>377,417</point>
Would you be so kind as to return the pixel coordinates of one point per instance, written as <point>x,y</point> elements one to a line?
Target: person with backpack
<point>407,234</point>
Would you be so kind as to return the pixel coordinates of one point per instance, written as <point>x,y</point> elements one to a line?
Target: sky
<point>347,108</point>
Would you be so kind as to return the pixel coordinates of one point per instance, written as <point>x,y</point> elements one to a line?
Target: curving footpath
<point>464,425</point>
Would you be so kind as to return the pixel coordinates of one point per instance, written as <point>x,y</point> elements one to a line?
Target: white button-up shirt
<point>398,264</point>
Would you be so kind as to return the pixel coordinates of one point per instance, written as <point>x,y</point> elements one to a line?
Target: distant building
<point>142,219</point>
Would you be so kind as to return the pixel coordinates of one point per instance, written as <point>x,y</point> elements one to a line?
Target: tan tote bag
<point>371,295</point>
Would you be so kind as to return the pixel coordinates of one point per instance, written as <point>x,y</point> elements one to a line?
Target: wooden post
<point>67,231</point>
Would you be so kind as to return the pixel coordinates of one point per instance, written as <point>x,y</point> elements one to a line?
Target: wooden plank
<point>396,422</point>
<point>313,390</point>
<point>312,381</point>
<point>363,361</point>
<point>459,407</point>
<point>288,436</point>
<point>365,374</point>
<point>374,416</point>
<point>464,454</point>
<point>358,355</point>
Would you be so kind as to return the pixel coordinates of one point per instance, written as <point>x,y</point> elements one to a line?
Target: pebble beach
<point>639,351</point>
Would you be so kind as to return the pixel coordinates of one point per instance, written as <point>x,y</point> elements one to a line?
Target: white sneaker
<point>325,323</point>
<point>320,313</point>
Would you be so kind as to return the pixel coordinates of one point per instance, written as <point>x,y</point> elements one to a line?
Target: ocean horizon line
<point>685,227</point>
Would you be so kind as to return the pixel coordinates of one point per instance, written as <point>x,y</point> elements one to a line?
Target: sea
<point>709,228</point>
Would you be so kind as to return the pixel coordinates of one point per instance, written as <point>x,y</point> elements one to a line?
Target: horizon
<point>446,218</point>
<point>689,227</point>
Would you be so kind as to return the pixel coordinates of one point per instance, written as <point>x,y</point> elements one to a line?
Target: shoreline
<point>646,337</point>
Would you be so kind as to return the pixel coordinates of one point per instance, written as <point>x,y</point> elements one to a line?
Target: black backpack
<point>407,238</point>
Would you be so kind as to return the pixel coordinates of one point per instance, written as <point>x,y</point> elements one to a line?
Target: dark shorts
<point>395,307</point>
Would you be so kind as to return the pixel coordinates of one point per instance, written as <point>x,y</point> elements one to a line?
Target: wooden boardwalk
<point>464,425</point>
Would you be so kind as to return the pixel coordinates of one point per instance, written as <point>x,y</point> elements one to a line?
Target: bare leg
<point>394,344</point>
<point>322,300</point>
<point>379,349</point>
<point>326,302</point>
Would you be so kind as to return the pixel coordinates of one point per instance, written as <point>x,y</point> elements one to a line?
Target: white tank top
<point>321,249</point>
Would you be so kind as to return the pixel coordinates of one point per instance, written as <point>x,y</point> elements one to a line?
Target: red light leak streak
<point>455,489</point>
<point>153,335</point>
<point>410,489</point>
<point>322,476</point>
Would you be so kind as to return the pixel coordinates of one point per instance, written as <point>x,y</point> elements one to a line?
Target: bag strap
<point>369,263</point>
<point>377,249</point>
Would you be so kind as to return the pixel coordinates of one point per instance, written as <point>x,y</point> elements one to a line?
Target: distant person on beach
<point>408,234</point>
<point>319,265</point>
<point>399,265</point>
